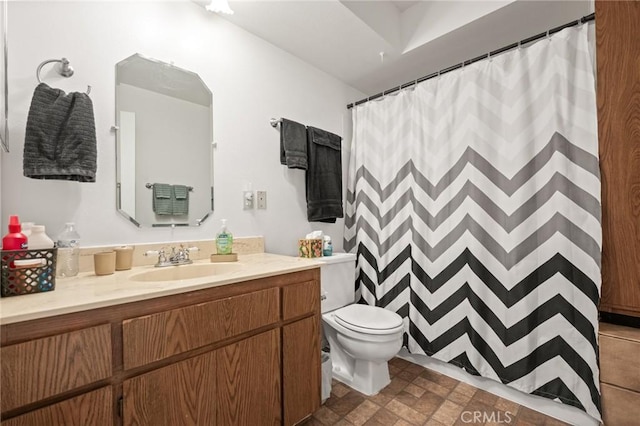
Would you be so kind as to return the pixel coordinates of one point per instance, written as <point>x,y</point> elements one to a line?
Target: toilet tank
<point>337,280</point>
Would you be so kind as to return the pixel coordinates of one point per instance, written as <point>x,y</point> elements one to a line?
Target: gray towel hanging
<point>293,144</point>
<point>60,139</point>
<point>324,176</point>
<point>180,200</point>
<point>162,201</point>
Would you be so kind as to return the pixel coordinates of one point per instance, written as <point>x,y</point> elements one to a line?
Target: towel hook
<point>64,69</point>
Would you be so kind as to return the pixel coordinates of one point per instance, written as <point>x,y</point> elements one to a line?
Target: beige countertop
<point>88,291</point>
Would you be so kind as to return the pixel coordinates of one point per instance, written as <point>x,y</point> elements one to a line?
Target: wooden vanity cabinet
<point>45,367</point>
<point>239,354</point>
<point>619,374</point>
<point>88,409</point>
<point>238,384</point>
<point>248,381</point>
<point>180,393</point>
<point>301,386</point>
<point>164,334</point>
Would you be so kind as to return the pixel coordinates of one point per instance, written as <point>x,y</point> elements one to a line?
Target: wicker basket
<point>17,280</point>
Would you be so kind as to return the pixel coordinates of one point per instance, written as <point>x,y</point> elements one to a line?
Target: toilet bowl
<point>361,338</point>
<point>360,351</point>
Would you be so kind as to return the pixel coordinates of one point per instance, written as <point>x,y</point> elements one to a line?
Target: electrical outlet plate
<point>262,199</point>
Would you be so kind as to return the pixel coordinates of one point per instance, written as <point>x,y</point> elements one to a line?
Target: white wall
<point>251,81</point>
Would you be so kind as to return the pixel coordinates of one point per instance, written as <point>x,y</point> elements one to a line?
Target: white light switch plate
<point>262,199</point>
<point>247,197</point>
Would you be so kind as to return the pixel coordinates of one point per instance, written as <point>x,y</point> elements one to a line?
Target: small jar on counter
<point>327,246</point>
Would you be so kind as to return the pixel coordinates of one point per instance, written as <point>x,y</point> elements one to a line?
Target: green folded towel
<point>180,200</point>
<point>162,199</point>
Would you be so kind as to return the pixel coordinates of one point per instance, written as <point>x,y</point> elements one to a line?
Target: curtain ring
<point>409,86</point>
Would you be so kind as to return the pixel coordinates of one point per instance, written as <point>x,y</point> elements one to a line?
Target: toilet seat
<point>368,319</point>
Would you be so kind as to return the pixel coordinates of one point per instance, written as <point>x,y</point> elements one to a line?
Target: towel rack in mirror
<point>150,185</point>
<point>64,69</point>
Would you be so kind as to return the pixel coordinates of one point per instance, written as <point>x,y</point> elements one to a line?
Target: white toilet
<point>362,338</point>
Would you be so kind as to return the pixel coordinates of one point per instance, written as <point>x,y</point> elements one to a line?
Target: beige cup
<point>124,258</point>
<point>104,263</point>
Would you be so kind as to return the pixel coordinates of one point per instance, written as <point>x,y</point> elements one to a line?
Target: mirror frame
<point>116,129</point>
<point>4,78</point>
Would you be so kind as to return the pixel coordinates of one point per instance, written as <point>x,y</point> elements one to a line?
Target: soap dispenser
<point>224,239</point>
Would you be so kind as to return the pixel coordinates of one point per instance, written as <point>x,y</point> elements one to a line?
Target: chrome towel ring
<point>64,69</point>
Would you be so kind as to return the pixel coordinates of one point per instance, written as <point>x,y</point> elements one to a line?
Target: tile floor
<point>418,396</point>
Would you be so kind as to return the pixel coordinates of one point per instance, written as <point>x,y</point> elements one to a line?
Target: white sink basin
<point>186,272</point>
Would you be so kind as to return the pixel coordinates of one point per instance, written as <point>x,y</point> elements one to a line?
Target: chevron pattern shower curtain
<point>473,204</point>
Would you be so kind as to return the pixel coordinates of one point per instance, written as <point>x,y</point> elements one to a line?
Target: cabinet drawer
<point>45,367</point>
<point>158,336</point>
<point>90,409</point>
<point>619,362</point>
<point>620,407</point>
<point>300,299</point>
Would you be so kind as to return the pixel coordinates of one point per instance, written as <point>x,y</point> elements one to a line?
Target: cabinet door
<point>183,393</point>
<point>301,369</point>
<point>41,368</point>
<point>618,50</point>
<point>248,381</point>
<point>90,409</point>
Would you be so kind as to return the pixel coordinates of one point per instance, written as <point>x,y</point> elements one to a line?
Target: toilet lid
<point>368,319</point>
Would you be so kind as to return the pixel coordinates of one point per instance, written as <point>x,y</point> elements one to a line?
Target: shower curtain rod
<point>582,20</point>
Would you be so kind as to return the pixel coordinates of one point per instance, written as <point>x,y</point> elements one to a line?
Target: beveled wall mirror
<point>164,122</point>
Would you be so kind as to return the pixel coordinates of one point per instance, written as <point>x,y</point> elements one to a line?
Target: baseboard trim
<point>620,319</point>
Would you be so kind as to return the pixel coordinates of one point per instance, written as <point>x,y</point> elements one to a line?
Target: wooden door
<point>248,381</point>
<point>301,373</point>
<point>618,58</point>
<point>183,393</point>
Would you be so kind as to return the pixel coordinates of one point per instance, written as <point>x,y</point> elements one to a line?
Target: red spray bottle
<point>15,239</point>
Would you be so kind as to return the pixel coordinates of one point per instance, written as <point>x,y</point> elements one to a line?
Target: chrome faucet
<point>177,257</point>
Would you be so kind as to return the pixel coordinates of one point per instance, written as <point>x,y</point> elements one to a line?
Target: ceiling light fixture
<point>219,6</point>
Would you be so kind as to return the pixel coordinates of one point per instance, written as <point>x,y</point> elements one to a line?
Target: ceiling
<point>376,45</point>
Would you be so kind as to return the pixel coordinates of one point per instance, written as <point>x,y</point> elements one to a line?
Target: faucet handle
<point>162,258</point>
<point>152,253</point>
<point>187,251</point>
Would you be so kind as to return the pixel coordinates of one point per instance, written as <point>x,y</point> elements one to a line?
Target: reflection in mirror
<point>164,128</point>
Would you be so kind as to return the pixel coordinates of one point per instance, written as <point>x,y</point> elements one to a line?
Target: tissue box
<point>310,247</point>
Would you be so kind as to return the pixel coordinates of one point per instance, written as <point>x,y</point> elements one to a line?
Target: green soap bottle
<point>224,240</point>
